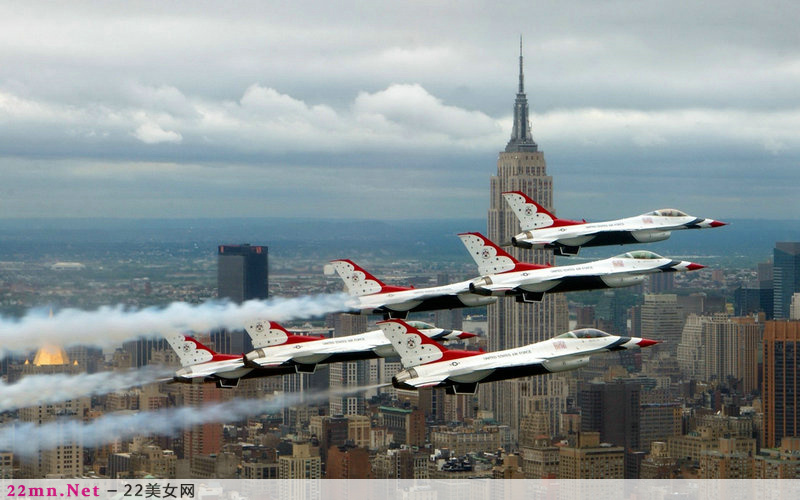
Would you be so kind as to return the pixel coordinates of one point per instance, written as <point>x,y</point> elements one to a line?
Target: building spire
<point>521,75</point>
<point>521,138</point>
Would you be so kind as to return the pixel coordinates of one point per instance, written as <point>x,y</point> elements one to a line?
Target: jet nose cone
<point>466,335</point>
<point>647,342</point>
<point>694,267</point>
<point>718,223</point>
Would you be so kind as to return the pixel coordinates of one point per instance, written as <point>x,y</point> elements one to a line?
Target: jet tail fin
<point>531,215</point>
<point>269,333</point>
<point>490,258</point>
<point>414,347</point>
<point>189,350</point>
<point>358,281</point>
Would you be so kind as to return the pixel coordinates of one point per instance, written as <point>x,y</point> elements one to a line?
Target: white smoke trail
<point>111,325</point>
<point>36,390</point>
<point>28,439</point>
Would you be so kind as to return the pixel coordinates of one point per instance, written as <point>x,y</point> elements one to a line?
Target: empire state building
<point>521,167</point>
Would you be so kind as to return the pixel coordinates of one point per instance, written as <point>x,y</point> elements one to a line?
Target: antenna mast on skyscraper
<point>521,76</point>
<point>521,138</point>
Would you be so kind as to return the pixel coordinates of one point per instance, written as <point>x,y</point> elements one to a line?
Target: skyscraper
<point>521,167</point>
<point>612,409</point>
<point>202,439</point>
<point>781,380</point>
<point>721,348</point>
<point>661,320</point>
<point>348,373</point>
<point>242,274</point>
<point>785,276</point>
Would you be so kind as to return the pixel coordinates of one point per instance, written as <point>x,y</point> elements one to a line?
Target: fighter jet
<point>428,364</point>
<point>304,357</point>
<point>541,229</point>
<point>200,362</point>
<point>503,275</point>
<point>371,296</point>
<point>281,352</point>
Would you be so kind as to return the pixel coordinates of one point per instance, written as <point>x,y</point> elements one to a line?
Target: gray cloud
<point>146,100</point>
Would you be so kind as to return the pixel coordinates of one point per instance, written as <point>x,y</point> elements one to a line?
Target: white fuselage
<point>553,355</point>
<point>367,345</point>
<point>452,296</point>
<point>639,229</point>
<point>607,273</point>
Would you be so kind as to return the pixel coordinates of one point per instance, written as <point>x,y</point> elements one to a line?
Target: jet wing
<point>428,381</point>
<point>434,294</point>
<point>276,359</point>
<point>493,289</point>
<point>509,362</point>
<point>550,282</point>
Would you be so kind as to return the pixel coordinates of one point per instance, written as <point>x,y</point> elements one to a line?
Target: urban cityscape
<point>716,398</point>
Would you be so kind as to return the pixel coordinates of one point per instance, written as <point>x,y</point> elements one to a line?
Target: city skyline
<point>283,111</point>
<point>344,138</point>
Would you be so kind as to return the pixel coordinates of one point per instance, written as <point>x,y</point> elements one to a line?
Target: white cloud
<point>414,109</point>
<point>152,133</point>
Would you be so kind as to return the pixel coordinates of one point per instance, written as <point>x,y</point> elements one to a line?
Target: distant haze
<point>288,239</point>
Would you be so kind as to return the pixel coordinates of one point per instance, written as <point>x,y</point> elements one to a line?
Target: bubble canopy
<point>668,212</point>
<point>584,333</point>
<point>639,254</point>
<point>421,325</point>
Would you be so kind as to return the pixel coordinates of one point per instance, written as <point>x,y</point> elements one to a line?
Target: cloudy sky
<point>391,110</point>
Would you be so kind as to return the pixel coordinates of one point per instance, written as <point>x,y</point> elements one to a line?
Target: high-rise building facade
<point>242,274</point>
<point>349,373</point>
<point>718,347</point>
<point>781,381</point>
<point>303,463</point>
<point>794,308</point>
<point>661,282</point>
<point>785,276</point>
<point>203,439</point>
<point>661,320</point>
<point>521,167</point>
<point>613,410</point>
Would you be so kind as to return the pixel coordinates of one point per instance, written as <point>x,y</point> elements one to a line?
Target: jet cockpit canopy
<point>639,254</point>
<point>667,212</point>
<point>583,333</point>
<point>421,325</point>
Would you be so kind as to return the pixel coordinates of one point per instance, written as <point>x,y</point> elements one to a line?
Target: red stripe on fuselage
<point>524,266</point>
<point>566,222</point>
<point>451,354</point>
<point>391,288</point>
<point>299,339</point>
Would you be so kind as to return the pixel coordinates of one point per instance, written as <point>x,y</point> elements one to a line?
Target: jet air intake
<point>565,364</point>
<point>651,236</point>
<point>620,281</point>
